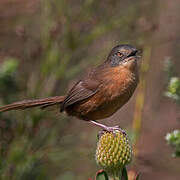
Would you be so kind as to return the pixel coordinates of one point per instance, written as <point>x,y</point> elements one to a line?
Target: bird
<point>100,93</point>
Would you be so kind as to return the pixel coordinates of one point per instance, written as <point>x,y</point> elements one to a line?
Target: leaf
<point>124,174</point>
<point>101,175</point>
<point>8,67</point>
<point>137,177</point>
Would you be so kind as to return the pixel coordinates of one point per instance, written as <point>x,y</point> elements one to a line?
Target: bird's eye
<point>119,54</point>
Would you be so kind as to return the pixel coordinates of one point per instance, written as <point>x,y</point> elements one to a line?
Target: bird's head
<point>123,55</point>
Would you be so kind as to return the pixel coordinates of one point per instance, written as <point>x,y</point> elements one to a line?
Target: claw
<point>109,129</point>
<point>114,128</point>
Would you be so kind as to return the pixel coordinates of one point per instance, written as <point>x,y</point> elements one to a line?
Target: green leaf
<point>137,177</point>
<point>173,139</point>
<point>9,66</point>
<point>124,174</point>
<point>101,175</point>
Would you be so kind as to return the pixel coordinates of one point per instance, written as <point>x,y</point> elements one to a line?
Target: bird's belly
<point>100,106</point>
<point>106,109</point>
<point>103,111</point>
<point>113,93</point>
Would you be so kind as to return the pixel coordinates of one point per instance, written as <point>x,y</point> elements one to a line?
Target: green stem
<point>120,174</point>
<point>117,176</point>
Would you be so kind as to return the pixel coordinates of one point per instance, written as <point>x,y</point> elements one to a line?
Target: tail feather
<point>42,103</point>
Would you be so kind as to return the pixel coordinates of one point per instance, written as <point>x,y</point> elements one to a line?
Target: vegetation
<point>46,45</point>
<point>173,92</point>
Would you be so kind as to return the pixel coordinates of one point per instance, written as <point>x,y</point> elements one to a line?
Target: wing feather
<point>83,89</point>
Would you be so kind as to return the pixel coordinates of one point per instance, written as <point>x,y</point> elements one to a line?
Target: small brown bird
<point>100,93</point>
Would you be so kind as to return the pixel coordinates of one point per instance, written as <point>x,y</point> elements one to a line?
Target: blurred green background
<point>46,46</point>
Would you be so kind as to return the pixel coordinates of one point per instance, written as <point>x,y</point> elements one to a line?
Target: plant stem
<point>137,121</point>
<point>117,176</point>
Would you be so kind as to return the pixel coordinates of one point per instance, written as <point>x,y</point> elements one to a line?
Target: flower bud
<point>113,151</point>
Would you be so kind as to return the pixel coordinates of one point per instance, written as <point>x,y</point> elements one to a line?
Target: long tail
<point>42,103</point>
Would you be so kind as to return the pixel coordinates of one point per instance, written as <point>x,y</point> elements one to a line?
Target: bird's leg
<point>107,128</point>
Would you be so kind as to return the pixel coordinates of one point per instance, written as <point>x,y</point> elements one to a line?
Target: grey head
<point>121,54</point>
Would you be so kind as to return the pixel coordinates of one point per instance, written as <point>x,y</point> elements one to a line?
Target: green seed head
<point>113,151</point>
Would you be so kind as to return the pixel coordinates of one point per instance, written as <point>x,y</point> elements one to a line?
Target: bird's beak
<point>138,54</point>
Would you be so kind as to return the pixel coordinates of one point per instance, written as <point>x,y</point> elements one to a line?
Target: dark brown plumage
<point>100,93</point>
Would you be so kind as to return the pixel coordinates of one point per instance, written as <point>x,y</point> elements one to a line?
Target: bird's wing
<point>83,89</point>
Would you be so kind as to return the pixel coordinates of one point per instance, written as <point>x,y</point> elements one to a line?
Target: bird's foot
<point>114,128</point>
<point>107,128</point>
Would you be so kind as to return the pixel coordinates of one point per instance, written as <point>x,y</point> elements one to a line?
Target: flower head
<point>113,151</point>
